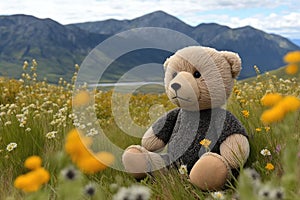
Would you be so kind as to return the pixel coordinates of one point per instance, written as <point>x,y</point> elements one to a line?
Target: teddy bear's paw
<point>138,161</point>
<point>210,172</point>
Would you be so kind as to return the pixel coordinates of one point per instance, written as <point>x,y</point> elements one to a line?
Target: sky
<point>273,16</point>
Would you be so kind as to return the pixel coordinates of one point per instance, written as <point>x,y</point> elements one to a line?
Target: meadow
<point>36,118</point>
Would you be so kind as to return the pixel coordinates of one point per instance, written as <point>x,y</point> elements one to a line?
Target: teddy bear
<point>199,134</point>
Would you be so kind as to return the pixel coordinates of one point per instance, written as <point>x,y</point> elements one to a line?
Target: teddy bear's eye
<point>174,74</point>
<point>197,74</point>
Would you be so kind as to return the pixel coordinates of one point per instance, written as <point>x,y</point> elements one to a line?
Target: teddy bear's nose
<point>176,86</point>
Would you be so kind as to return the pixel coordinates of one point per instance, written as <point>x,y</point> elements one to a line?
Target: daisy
<point>182,169</point>
<point>90,189</point>
<point>218,195</point>
<point>11,146</point>
<point>265,152</point>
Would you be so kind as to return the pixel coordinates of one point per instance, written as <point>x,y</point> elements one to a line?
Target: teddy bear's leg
<point>138,161</point>
<point>210,172</point>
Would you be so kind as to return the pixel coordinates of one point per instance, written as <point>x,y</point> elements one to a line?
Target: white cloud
<point>285,24</point>
<point>190,11</point>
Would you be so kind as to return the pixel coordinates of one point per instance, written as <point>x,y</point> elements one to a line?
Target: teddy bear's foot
<point>210,172</point>
<point>138,161</point>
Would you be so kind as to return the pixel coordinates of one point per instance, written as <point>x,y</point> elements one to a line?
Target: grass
<point>29,110</point>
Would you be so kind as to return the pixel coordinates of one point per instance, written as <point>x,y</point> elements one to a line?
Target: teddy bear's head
<point>199,78</point>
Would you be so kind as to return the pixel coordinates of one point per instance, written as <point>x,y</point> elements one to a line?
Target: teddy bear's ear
<point>166,63</point>
<point>235,62</point>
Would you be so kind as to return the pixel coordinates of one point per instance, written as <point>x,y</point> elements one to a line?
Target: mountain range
<point>58,47</point>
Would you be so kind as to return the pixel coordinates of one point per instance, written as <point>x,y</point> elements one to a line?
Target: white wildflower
<point>277,194</point>
<point>218,195</point>
<point>264,192</point>
<point>13,106</point>
<point>7,123</point>
<point>28,129</point>
<point>82,126</point>
<point>90,190</point>
<point>92,132</point>
<point>51,135</point>
<point>140,192</point>
<point>11,146</point>
<point>123,193</point>
<point>254,176</point>
<point>135,192</point>
<point>183,169</point>
<point>265,152</point>
<point>70,173</point>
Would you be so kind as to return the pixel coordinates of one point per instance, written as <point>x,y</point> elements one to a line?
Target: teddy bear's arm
<point>151,142</point>
<point>235,149</point>
<point>158,135</point>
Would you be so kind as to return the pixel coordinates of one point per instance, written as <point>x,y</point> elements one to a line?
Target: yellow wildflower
<point>42,174</point>
<point>245,113</point>
<point>267,128</point>
<point>291,69</point>
<point>33,180</point>
<point>237,91</point>
<point>290,103</point>
<point>292,57</point>
<point>274,114</point>
<point>281,108</point>
<point>77,147</point>
<point>27,183</point>
<point>205,143</point>
<point>81,99</point>
<point>269,166</point>
<point>258,129</point>
<point>271,99</point>
<point>33,162</point>
<point>243,101</point>
<point>95,163</point>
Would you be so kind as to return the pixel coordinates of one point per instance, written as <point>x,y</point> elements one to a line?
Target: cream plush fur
<point>198,80</point>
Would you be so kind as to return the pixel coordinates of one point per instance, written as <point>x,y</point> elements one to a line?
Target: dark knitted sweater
<point>183,130</point>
